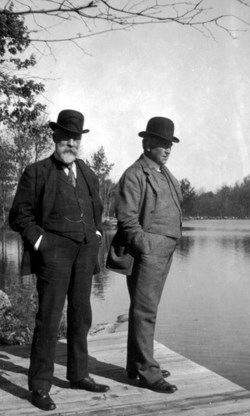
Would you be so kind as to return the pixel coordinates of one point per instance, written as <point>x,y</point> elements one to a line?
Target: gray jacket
<point>137,198</point>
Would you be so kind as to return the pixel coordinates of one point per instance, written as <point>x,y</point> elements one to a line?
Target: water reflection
<point>236,244</point>
<point>101,280</point>
<point>184,246</point>
<point>10,260</point>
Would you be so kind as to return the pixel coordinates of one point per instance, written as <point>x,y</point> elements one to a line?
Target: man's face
<point>158,150</point>
<point>67,145</point>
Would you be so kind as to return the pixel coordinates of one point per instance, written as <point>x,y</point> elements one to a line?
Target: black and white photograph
<point>125,207</point>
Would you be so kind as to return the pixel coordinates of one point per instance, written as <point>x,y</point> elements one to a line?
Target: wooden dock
<point>200,391</point>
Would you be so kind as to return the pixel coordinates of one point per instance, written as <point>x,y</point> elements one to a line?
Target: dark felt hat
<point>160,127</point>
<point>71,121</point>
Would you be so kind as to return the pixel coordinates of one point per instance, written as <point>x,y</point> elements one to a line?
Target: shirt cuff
<point>99,234</point>
<point>37,244</point>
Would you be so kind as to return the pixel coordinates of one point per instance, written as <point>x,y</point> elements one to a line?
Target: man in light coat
<point>149,226</point>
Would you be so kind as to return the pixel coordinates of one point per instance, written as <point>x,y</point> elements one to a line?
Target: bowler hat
<point>69,120</point>
<point>160,127</point>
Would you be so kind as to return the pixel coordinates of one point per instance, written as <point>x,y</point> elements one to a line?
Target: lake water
<point>205,308</point>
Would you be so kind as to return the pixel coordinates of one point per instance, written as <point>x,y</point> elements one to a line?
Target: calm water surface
<point>205,308</point>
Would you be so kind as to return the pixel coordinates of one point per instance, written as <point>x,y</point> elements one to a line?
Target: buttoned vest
<point>72,213</point>
<point>167,216</point>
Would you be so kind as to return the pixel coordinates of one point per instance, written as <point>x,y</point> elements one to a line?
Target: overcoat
<point>34,201</point>
<point>136,203</point>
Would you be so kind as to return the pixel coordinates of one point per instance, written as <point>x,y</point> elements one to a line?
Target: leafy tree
<point>222,199</point>
<point>246,192</point>
<point>14,37</point>
<point>14,40</point>
<point>240,199</point>
<point>31,138</point>
<point>19,110</point>
<point>233,201</point>
<point>102,168</point>
<point>23,146</point>
<point>189,195</point>
<point>7,174</point>
<point>100,165</point>
<point>41,136</point>
<point>206,205</point>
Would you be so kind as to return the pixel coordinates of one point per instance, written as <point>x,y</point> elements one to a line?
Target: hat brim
<point>149,133</point>
<point>54,125</point>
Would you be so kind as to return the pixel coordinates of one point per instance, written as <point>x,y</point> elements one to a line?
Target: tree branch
<point>102,16</point>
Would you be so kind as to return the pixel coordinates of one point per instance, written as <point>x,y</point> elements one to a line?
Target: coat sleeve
<point>22,217</point>
<point>129,206</point>
<point>93,184</point>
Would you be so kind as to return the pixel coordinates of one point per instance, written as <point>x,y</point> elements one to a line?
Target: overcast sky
<point>125,78</point>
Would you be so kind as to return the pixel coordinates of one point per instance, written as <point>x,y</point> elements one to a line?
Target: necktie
<point>71,176</point>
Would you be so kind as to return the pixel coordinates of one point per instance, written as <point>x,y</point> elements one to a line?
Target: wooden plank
<point>200,391</point>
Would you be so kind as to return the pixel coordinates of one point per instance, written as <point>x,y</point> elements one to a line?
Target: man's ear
<point>146,144</point>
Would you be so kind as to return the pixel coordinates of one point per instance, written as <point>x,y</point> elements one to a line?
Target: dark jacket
<point>137,197</point>
<point>34,200</point>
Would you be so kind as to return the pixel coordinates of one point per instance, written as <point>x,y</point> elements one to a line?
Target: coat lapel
<point>92,183</point>
<point>176,193</point>
<point>49,172</point>
<point>149,175</point>
<point>173,183</point>
<point>86,174</point>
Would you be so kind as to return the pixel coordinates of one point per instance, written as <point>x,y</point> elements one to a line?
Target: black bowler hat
<point>160,127</point>
<point>69,120</point>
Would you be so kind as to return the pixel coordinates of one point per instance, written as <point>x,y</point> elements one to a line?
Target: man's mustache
<point>70,151</point>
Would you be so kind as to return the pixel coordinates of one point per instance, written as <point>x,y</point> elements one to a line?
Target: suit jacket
<point>137,198</point>
<point>34,201</point>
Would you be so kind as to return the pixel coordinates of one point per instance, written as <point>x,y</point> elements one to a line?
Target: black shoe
<point>160,386</point>
<point>42,400</point>
<point>89,384</point>
<point>134,374</point>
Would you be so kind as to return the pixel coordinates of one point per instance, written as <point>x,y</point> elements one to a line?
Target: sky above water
<point>126,77</point>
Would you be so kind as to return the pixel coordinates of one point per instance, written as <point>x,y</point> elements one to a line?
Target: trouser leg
<point>45,336</point>
<point>55,263</point>
<point>79,310</point>
<point>145,287</point>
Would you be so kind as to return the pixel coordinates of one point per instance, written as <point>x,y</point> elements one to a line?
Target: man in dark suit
<point>57,211</point>
<point>149,223</point>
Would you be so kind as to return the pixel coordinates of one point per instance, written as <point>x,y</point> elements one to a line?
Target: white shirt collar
<point>66,170</point>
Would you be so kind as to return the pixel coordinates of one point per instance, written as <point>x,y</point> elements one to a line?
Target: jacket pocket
<point>141,243</point>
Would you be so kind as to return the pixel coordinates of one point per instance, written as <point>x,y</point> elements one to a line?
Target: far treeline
<point>25,136</point>
<point>226,202</point>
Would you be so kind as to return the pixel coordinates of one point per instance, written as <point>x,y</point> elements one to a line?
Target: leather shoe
<point>160,386</point>
<point>134,374</point>
<point>89,384</point>
<point>42,400</point>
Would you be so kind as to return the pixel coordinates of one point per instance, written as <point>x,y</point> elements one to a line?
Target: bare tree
<point>78,19</point>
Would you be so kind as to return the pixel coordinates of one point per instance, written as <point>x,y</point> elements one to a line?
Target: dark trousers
<point>65,268</point>
<point>145,287</point>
